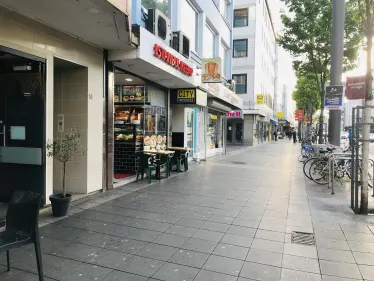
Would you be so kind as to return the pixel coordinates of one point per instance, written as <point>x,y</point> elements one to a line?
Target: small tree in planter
<point>63,150</point>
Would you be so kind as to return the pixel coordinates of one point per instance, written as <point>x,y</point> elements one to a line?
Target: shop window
<point>240,48</point>
<point>214,130</point>
<point>209,40</point>
<point>223,55</point>
<point>241,83</point>
<point>241,17</point>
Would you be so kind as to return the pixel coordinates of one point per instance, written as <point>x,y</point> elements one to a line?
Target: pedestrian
<point>294,135</point>
<point>265,135</point>
<point>275,134</point>
<point>289,135</point>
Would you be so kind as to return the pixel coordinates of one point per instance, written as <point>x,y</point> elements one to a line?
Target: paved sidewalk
<point>227,220</point>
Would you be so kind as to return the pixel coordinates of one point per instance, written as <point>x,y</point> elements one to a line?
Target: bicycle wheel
<point>319,172</point>
<point>307,165</point>
<point>303,157</point>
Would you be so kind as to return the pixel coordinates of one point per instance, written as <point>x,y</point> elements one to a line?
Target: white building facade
<point>255,67</point>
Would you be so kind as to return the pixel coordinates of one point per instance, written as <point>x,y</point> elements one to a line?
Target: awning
<point>98,22</point>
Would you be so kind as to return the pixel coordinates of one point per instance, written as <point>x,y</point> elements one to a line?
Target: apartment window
<point>223,55</point>
<point>240,48</point>
<point>241,17</point>
<point>189,23</point>
<point>241,83</point>
<point>209,39</point>
<point>223,8</point>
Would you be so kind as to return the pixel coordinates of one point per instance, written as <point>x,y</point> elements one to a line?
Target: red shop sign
<point>163,54</point>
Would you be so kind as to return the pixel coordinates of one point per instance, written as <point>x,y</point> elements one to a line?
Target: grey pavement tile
<point>141,234</point>
<point>48,245</point>
<point>237,240</point>
<point>364,258</point>
<point>231,251</point>
<point>291,228</point>
<point>367,271</point>
<point>332,244</point>
<point>61,232</point>
<point>270,235</point>
<point>175,272</point>
<point>182,230</point>
<point>23,276</point>
<point>340,269</point>
<point>86,272</point>
<point>110,259</point>
<point>221,219</point>
<point>361,247</point>
<point>214,226</point>
<point>294,275</point>
<point>334,278</point>
<point>208,235</point>
<point>123,276</point>
<point>246,222</point>
<point>300,250</point>
<point>359,237</point>
<point>267,245</point>
<point>242,231</point>
<point>157,252</point>
<point>199,245</point>
<point>226,213</point>
<point>264,257</point>
<point>261,272</point>
<point>223,265</point>
<point>321,225</point>
<point>205,275</point>
<point>301,264</point>
<point>273,227</point>
<point>336,255</point>
<point>170,240</point>
<point>189,258</point>
<point>190,222</point>
<point>331,234</point>
<point>141,266</point>
<point>359,228</point>
<point>79,252</point>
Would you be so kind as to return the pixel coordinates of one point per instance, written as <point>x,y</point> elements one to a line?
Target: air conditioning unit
<point>232,85</point>
<point>181,43</point>
<point>159,25</point>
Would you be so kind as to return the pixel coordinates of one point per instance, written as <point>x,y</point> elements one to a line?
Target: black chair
<point>22,225</point>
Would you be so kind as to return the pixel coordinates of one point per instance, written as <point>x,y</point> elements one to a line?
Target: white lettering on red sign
<point>162,54</point>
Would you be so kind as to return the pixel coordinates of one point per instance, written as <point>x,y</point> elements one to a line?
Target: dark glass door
<point>239,133</point>
<point>22,124</point>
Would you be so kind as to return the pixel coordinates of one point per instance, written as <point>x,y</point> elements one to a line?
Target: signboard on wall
<point>183,96</point>
<point>234,114</point>
<point>260,99</point>
<point>299,115</point>
<point>355,88</point>
<point>211,70</point>
<point>280,115</point>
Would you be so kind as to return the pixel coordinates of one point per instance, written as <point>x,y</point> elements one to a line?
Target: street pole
<point>337,51</point>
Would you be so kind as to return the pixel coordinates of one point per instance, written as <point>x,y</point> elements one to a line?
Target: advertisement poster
<point>334,97</point>
<point>355,88</point>
<point>211,70</point>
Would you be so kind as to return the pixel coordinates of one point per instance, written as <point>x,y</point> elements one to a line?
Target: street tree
<point>163,5</point>
<point>307,35</point>
<point>306,91</point>
<point>366,16</point>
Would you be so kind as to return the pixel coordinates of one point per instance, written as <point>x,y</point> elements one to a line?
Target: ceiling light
<point>128,79</point>
<point>93,10</point>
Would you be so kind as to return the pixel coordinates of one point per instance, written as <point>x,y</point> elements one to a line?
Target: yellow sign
<point>260,99</point>
<point>186,94</point>
<point>213,117</point>
<point>280,115</point>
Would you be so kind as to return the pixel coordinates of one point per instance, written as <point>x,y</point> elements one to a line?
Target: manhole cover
<point>303,238</point>
<point>238,162</point>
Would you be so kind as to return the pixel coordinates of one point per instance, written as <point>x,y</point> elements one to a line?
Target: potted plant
<point>63,150</point>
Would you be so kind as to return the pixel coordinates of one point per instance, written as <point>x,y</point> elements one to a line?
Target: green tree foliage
<point>163,5</point>
<point>307,35</point>
<point>306,91</point>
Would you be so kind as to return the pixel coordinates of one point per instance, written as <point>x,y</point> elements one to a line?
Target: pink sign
<point>234,114</point>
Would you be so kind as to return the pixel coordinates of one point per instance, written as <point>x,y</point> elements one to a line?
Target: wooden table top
<point>179,148</point>
<point>159,152</point>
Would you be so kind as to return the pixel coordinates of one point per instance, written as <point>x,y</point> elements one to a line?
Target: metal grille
<point>238,162</point>
<point>303,238</point>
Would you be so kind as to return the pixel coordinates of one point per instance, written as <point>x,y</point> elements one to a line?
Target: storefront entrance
<point>22,123</point>
<point>234,132</point>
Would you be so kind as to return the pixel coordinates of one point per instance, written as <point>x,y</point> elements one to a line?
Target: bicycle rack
<point>357,116</point>
<point>331,161</point>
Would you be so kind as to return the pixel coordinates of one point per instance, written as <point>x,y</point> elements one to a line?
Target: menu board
<point>155,142</point>
<point>133,94</point>
<point>117,93</point>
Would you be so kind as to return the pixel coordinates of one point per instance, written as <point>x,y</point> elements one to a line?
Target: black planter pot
<point>60,204</point>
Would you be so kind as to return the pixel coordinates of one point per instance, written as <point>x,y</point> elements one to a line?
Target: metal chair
<point>22,226</point>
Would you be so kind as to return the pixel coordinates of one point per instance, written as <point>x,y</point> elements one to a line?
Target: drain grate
<point>303,238</point>
<point>238,162</point>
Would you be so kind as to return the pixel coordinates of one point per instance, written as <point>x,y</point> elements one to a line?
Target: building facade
<point>173,89</point>
<point>255,67</point>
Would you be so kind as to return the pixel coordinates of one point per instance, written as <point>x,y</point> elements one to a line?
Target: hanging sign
<point>280,115</point>
<point>334,97</point>
<point>260,99</point>
<point>183,96</point>
<point>355,88</point>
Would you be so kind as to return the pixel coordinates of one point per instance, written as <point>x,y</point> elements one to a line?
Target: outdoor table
<point>175,148</point>
<point>157,153</point>
<point>180,151</point>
